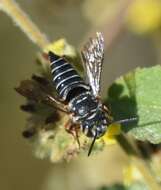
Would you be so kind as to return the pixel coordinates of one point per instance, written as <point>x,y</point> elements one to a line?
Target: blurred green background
<point>73,20</point>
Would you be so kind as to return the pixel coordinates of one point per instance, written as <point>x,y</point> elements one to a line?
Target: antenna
<point>91,147</point>
<point>126,120</point>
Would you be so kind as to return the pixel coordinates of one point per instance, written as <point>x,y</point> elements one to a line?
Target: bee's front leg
<point>106,109</point>
<point>108,112</point>
<point>73,129</point>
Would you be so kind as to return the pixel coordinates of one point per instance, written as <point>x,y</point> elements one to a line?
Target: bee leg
<point>108,112</point>
<point>106,109</point>
<point>57,104</point>
<point>73,130</point>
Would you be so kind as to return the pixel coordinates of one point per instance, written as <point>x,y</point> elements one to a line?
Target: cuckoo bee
<point>79,98</point>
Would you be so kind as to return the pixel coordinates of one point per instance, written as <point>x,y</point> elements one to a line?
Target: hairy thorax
<point>87,111</point>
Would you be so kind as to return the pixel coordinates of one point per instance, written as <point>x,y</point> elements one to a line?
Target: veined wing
<point>93,55</point>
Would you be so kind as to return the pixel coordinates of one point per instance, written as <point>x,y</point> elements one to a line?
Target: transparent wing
<point>93,54</point>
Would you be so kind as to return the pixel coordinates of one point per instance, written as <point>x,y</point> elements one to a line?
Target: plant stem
<point>13,10</point>
<point>138,161</point>
<point>146,173</point>
<point>127,146</point>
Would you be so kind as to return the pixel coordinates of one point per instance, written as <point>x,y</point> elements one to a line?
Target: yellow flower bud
<point>61,47</point>
<point>112,131</point>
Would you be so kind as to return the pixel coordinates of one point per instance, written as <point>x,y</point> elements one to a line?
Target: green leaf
<point>134,186</point>
<point>138,186</point>
<point>114,187</point>
<point>138,94</point>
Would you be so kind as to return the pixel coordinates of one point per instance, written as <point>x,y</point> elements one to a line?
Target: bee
<point>82,99</point>
<point>77,97</point>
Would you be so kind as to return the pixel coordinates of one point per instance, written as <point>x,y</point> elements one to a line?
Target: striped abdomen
<point>65,78</point>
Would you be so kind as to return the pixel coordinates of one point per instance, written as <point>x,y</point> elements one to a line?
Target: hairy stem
<point>138,161</point>
<point>13,10</point>
<point>146,173</point>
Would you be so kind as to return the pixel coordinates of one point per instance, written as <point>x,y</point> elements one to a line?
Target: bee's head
<point>96,124</point>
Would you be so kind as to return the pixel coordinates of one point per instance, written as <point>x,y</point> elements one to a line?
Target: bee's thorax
<point>89,114</point>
